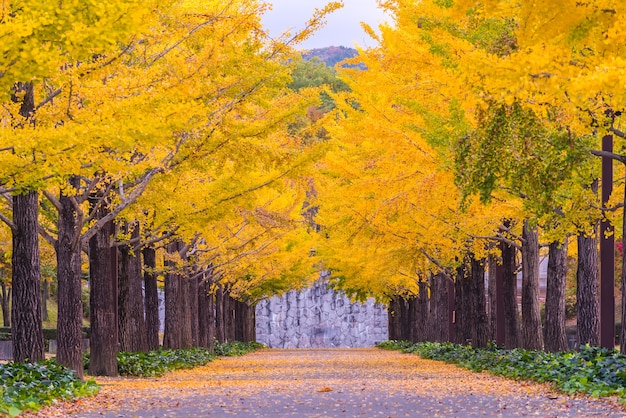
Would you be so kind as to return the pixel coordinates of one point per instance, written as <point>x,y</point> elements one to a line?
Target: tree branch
<point>611,155</point>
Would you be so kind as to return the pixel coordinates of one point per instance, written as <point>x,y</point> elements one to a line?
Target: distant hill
<point>330,55</point>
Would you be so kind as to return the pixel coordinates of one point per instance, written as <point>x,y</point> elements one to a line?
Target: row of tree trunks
<point>234,320</point>
<point>424,318</point>
<point>121,317</point>
<point>427,316</point>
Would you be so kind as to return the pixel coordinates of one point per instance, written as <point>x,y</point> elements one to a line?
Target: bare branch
<point>611,155</point>
<point>7,221</point>
<point>617,132</point>
<point>55,202</point>
<point>132,197</point>
<point>48,99</point>
<point>47,236</point>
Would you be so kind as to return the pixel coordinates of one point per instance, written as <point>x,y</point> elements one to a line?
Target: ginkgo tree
<point>175,83</point>
<point>444,66</point>
<point>46,48</point>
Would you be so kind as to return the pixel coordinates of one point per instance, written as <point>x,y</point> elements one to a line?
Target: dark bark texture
<point>186,336</point>
<point>439,308</point>
<point>132,325</point>
<point>422,313</point>
<point>463,314</point>
<point>491,299</point>
<point>172,336</point>
<point>532,334</point>
<point>588,312</point>
<point>480,324</point>
<point>70,317</point>
<point>509,291</point>
<point>103,301</point>
<point>220,333</point>
<point>393,319</point>
<point>555,337</point>
<point>26,328</point>
<point>203,311</point>
<point>229,320</point>
<point>151,302</point>
<point>194,311</point>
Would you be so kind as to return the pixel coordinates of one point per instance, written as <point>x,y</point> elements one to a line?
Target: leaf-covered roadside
<point>591,370</point>
<point>29,386</point>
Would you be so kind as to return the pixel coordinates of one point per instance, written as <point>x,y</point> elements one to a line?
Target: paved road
<point>329,383</point>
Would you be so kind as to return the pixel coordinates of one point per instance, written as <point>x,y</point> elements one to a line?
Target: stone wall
<point>319,317</point>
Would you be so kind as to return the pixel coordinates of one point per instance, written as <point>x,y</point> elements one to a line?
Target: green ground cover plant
<point>158,362</point>
<point>29,386</point>
<point>593,371</point>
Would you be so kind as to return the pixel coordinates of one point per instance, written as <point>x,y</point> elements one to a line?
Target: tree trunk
<point>622,335</point>
<point>186,337</point>
<point>229,321</point>
<point>492,297</point>
<point>203,311</point>
<point>212,326</point>
<point>194,310</point>
<point>511,338</point>
<point>70,310</point>
<point>422,313</point>
<point>439,308</point>
<point>240,319</point>
<point>6,303</point>
<point>480,326</point>
<point>103,300</point>
<point>132,325</point>
<point>250,324</point>
<point>172,337</point>
<point>26,328</point>
<point>554,332</point>
<point>220,329</point>
<point>463,311</point>
<point>588,312</point>
<point>151,298</point>
<point>532,335</point>
<point>394,317</point>
<point>412,319</point>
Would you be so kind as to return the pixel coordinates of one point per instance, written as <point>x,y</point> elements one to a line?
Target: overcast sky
<point>343,26</point>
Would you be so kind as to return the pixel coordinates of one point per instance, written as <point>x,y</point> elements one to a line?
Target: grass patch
<point>593,371</point>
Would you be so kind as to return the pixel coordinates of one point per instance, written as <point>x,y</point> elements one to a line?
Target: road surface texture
<point>329,383</point>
